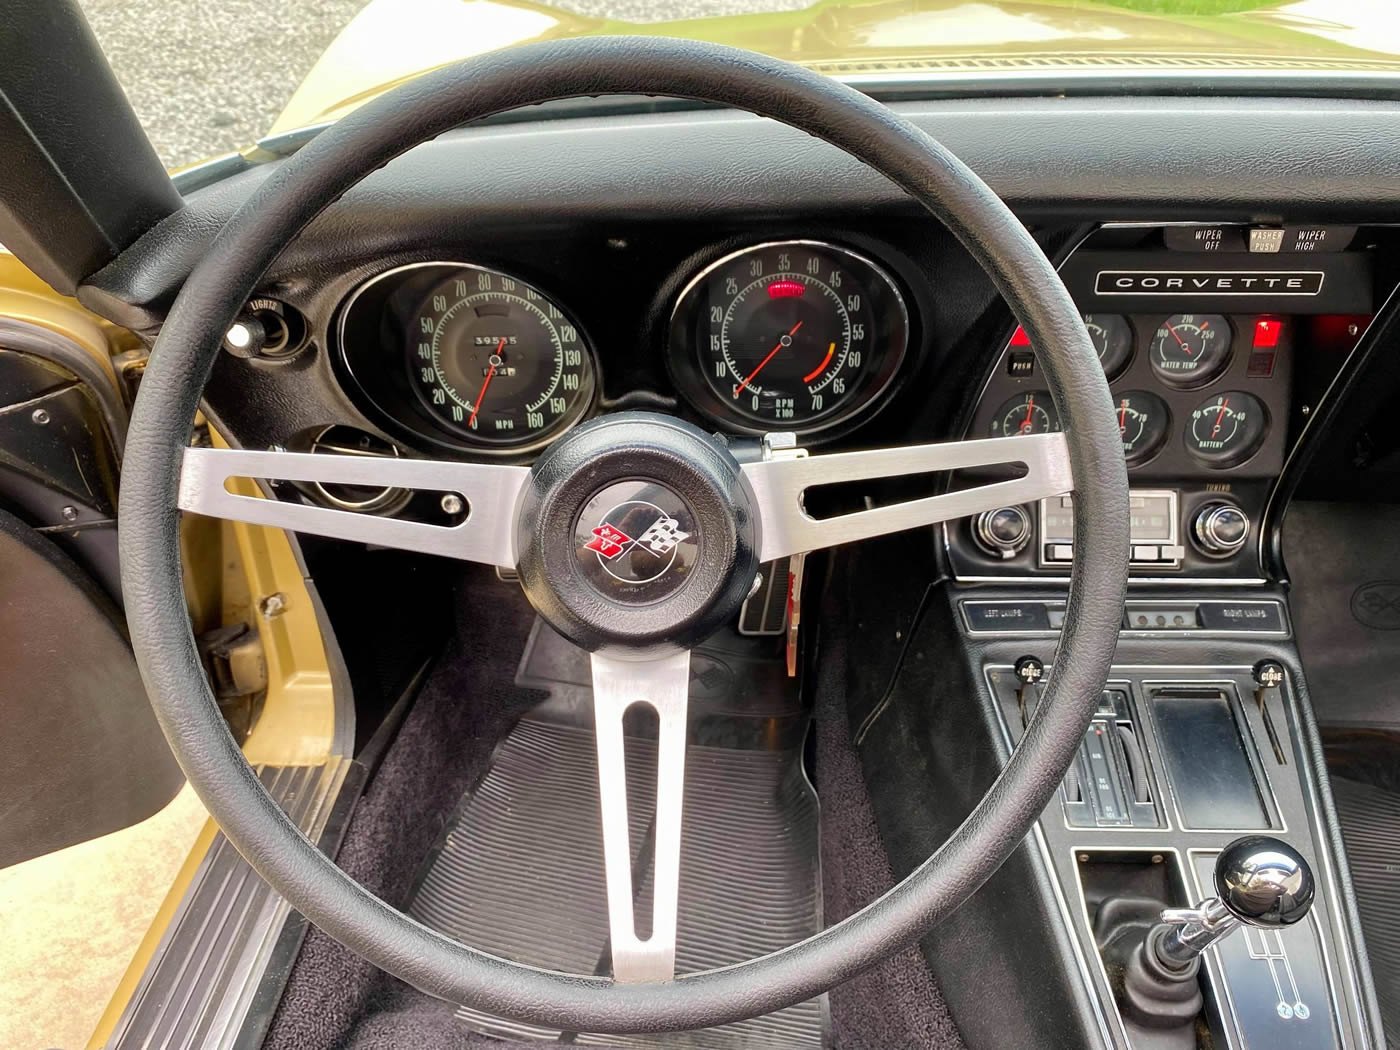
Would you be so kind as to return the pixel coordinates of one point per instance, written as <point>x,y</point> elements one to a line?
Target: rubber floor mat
<point>1345,599</point>
<point>519,872</point>
<point>1370,819</point>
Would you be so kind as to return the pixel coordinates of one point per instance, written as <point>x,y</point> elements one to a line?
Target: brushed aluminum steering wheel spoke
<point>486,534</point>
<point>663,684</point>
<point>780,484</point>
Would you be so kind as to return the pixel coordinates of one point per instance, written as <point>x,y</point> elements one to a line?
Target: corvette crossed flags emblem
<point>660,538</point>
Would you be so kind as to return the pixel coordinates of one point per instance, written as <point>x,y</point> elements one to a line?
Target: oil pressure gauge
<point>1227,429</point>
<point>1143,420</point>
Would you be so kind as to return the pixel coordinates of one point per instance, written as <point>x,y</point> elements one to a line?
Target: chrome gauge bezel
<point>683,350</point>
<point>401,408</point>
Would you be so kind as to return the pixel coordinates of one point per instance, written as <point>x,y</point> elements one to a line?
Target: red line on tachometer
<point>830,352</point>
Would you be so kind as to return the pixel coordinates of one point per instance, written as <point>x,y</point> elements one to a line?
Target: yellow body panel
<point>391,41</point>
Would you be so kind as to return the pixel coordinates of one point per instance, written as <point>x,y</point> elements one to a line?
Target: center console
<point>1219,343</point>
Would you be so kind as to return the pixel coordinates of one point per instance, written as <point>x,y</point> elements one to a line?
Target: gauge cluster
<point>799,335</point>
<point>1191,392</point>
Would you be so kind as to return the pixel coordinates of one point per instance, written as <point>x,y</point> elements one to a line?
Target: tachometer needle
<point>1123,414</point>
<point>1026,423</point>
<point>782,342</point>
<point>490,374</point>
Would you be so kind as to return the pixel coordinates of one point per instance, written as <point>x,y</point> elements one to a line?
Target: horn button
<point>637,532</point>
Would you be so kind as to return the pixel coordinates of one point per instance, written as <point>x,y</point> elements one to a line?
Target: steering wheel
<point>719,519</point>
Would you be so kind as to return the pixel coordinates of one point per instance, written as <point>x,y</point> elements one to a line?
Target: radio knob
<point>1002,533</point>
<point>1221,529</point>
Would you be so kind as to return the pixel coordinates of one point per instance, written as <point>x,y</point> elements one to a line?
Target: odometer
<point>791,336</point>
<point>496,361</point>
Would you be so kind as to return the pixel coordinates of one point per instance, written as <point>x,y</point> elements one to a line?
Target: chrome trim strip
<point>203,979</point>
<point>1129,632</point>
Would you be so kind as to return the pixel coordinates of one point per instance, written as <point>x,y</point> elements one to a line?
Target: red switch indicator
<point>1020,338</point>
<point>1266,333</point>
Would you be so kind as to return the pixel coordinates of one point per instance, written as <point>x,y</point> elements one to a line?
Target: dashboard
<point>646,274</point>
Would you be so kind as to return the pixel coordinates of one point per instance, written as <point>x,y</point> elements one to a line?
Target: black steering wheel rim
<point>289,199</point>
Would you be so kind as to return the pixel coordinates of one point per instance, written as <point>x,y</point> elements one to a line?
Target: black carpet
<point>897,1005</point>
<point>469,704</point>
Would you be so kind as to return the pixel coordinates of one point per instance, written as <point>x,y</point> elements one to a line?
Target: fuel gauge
<point>1112,337</point>
<point>1143,420</point>
<point>1227,429</point>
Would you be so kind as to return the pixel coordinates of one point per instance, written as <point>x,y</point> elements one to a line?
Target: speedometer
<point>492,358</point>
<point>797,335</point>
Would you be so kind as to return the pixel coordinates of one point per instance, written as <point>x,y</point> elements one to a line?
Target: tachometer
<point>496,361</point>
<point>790,336</point>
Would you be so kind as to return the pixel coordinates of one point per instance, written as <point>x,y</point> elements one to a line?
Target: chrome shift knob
<point>1259,881</point>
<point>1264,881</point>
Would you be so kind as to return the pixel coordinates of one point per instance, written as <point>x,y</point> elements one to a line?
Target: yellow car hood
<point>393,40</point>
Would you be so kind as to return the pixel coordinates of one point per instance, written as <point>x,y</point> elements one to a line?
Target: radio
<point>1154,528</point>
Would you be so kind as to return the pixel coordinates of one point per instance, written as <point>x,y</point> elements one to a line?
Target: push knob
<point>1221,529</point>
<point>1004,532</point>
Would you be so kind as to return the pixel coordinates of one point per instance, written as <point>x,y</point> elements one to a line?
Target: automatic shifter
<point>1259,881</point>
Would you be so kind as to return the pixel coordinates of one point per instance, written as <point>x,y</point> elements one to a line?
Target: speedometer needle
<point>784,341</point>
<point>490,374</point>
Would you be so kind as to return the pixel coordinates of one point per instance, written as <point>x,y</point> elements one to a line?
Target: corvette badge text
<point>1208,282</point>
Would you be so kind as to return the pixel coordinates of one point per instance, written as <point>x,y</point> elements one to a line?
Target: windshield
<point>209,78</point>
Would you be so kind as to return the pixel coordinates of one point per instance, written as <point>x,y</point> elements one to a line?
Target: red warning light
<point>1266,333</point>
<point>786,289</point>
<point>1020,338</point>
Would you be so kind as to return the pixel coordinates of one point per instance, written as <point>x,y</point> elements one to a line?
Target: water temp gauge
<point>1227,429</point>
<point>1190,350</point>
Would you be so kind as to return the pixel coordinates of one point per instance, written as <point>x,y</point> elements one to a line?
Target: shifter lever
<point>1259,881</point>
